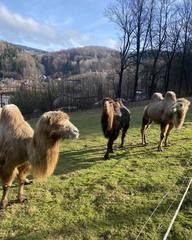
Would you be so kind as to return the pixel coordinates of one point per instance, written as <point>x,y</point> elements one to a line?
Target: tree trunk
<point>152,89</point>
<point>167,77</point>
<point>182,72</point>
<point>120,83</point>
<point>136,81</point>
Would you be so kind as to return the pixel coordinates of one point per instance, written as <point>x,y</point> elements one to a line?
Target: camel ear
<point>48,120</point>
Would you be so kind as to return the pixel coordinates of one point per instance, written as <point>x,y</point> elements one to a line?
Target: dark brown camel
<point>115,117</point>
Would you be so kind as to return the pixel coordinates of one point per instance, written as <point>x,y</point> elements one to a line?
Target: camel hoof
<point>167,145</point>
<point>160,150</point>
<point>106,157</point>
<point>144,144</point>
<point>4,203</point>
<point>28,182</point>
<point>22,199</point>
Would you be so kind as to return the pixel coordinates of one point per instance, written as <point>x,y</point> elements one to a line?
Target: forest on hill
<point>21,62</point>
<point>17,64</point>
<point>84,64</point>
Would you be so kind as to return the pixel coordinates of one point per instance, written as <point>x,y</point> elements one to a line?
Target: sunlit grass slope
<point>89,198</point>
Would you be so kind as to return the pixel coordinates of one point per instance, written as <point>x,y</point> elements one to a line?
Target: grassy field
<point>89,198</point>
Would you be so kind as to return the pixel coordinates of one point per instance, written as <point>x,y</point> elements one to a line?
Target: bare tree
<point>142,11</point>
<point>162,28</point>
<point>158,35</point>
<point>185,41</point>
<point>120,13</point>
<point>172,44</point>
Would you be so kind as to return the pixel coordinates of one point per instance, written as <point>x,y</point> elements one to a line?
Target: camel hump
<point>170,95</point>
<point>126,114</point>
<point>11,113</point>
<point>157,96</point>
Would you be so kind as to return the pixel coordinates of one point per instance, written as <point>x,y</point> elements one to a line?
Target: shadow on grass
<point>87,157</point>
<point>84,158</point>
<point>79,159</point>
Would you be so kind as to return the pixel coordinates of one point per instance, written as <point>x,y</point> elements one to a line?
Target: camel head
<point>112,107</point>
<point>108,104</point>
<point>179,109</point>
<point>56,124</point>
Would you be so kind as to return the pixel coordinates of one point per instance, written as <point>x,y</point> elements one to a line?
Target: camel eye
<point>57,125</point>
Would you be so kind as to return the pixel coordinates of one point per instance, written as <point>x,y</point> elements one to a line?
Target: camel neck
<point>44,155</point>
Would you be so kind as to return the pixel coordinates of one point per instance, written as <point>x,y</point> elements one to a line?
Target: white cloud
<point>21,29</point>
<point>111,43</point>
<point>68,21</point>
<point>26,30</point>
<point>16,25</point>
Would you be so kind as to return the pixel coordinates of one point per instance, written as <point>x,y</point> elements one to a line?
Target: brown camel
<point>22,149</point>
<point>115,117</point>
<point>169,112</point>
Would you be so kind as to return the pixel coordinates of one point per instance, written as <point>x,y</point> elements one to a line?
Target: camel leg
<point>4,200</point>
<point>164,128</point>
<point>145,124</point>
<point>23,172</point>
<point>7,180</point>
<point>167,134</point>
<point>109,148</point>
<point>124,131</point>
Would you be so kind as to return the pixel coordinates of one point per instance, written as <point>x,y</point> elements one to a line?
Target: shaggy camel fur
<point>169,112</point>
<point>22,149</point>
<point>115,117</point>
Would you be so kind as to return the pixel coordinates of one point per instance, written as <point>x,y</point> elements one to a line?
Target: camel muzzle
<point>72,132</point>
<point>75,133</point>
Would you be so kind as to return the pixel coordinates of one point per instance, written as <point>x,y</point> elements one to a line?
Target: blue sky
<point>56,24</point>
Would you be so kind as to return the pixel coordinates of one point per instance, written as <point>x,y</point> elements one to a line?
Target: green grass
<point>89,198</point>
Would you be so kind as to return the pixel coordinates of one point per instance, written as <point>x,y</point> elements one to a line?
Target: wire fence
<point>71,94</point>
<point>176,193</point>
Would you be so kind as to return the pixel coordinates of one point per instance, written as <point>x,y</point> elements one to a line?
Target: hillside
<point>96,66</point>
<point>23,63</point>
<point>79,61</point>
<point>30,49</point>
<point>18,64</point>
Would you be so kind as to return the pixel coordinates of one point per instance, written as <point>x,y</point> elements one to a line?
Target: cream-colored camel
<point>169,112</point>
<point>22,149</point>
